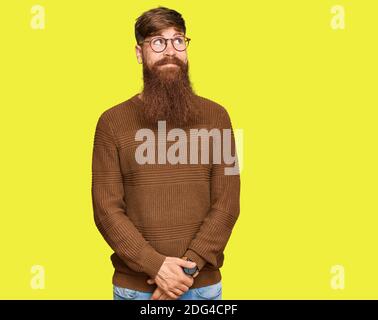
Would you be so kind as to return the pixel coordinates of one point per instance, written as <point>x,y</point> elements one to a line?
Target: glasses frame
<point>186,39</point>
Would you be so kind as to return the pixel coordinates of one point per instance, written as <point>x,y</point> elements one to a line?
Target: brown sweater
<point>146,212</point>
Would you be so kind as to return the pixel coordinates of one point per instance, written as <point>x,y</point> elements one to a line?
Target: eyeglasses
<point>159,44</point>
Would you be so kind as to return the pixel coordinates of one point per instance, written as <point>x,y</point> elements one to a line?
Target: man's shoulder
<point>210,103</point>
<point>119,109</point>
<point>212,108</point>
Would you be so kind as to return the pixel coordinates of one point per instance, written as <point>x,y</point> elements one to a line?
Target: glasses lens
<point>158,44</point>
<point>179,43</point>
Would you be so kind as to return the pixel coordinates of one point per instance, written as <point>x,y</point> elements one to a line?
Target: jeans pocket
<point>211,292</point>
<point>124,293</point>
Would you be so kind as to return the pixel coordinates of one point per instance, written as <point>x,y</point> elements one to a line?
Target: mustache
<point>167,60</point>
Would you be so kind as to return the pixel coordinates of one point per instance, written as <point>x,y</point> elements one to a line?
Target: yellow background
<point>303,93</point>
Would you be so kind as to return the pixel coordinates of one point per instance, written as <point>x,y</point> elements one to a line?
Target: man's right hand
<point>172,279</point>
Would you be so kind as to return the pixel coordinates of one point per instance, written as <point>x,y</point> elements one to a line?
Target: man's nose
<point>170,50</point>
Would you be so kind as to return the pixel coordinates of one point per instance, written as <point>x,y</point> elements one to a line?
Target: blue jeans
<point>211,292</point>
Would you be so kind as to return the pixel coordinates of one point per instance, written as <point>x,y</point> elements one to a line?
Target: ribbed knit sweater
<point>146,212</point>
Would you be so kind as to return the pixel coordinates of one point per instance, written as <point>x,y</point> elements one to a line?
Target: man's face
<point>147,56</point>
<point>167,92</point>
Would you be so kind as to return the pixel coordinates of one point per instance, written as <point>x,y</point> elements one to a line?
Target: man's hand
<point>159,294</point>
<point>152,281</point>
<point>171,280</point>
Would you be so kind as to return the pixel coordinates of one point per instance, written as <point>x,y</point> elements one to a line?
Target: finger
<point>156,295</point>
<point>183,287</point>
<point>185,264</point>
<point>187,280</point>
<point>163,297</point>
<point>171,295</point>
<point>177,291</point>
<point>168,297</point>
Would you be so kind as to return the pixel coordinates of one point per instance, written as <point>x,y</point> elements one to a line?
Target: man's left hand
<point>159,294</point>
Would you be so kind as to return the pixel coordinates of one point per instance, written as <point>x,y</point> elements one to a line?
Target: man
<point>168,222</point>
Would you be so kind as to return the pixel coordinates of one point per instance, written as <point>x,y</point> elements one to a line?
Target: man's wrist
<point>189,271</point>
<point>194,256</point>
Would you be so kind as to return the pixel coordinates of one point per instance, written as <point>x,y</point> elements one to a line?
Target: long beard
<point>167,93</point>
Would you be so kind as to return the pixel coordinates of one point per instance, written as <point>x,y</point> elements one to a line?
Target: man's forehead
<point>167,32</point>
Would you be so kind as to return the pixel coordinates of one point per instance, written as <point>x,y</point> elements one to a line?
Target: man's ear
<point>138,52</point>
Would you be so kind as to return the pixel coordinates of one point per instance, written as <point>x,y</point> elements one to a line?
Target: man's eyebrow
<point>160,35</point>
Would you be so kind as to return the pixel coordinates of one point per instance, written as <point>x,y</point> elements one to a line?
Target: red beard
<point>167,93</point>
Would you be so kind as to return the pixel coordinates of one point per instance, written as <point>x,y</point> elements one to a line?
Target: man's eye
<point>179,40</point>
<point>158,42</point>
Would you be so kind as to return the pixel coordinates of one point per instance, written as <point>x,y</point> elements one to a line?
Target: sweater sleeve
<point>210,241</point>
<point>109,207</point>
